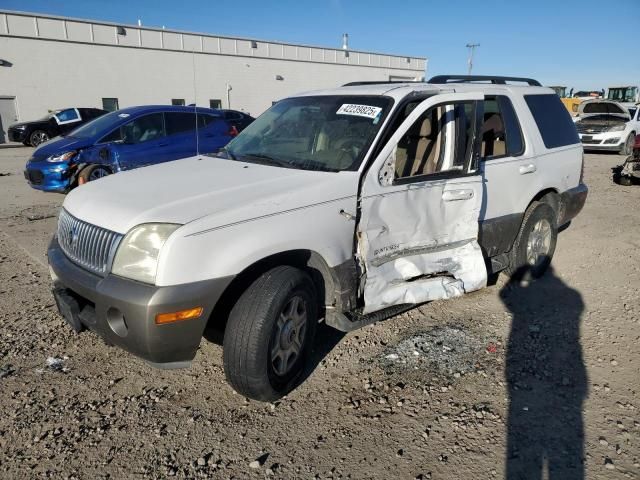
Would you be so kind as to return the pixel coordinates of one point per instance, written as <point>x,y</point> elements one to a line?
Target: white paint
<point>418,241</point>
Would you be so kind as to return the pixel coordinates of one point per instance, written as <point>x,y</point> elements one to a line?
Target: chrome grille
<point>591,129</point>
<point>87,245</point>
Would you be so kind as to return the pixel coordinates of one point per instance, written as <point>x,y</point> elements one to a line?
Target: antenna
<point>195,101</point>
<point>472,49</point>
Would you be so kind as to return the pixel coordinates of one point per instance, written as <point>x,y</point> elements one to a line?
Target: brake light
<point>637,142</point>
<point>233,131</point>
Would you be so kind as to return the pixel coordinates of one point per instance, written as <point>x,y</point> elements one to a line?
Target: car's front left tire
<point>269,334</point>
<point>38,137</point>
<point>92,172</point>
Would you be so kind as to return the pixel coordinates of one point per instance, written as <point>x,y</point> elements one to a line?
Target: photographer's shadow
<point>547,380</point>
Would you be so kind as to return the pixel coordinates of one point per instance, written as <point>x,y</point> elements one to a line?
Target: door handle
<point>524,169</point>
<point>454,195</point>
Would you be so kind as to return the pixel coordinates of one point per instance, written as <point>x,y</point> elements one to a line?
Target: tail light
<point>233,131</point>
<point>637,142</point>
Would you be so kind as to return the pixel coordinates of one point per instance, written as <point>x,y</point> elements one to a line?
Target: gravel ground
<point>502,382</point>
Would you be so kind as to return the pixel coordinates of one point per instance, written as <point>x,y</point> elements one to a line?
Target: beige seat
<point>416,152</point>
<point>493,137</point>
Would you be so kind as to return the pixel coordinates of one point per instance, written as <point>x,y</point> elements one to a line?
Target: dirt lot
<point>499,383</point>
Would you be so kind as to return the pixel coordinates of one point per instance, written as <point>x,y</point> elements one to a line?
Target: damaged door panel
<point>418,229</point>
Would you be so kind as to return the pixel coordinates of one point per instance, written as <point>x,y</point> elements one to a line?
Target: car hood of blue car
<point>59,145</point>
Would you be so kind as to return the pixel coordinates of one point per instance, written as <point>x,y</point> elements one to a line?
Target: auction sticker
<point>359,110</point>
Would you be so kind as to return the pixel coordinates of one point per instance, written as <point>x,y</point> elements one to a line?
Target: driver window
<point>143,129</point>
<point>437,142</point>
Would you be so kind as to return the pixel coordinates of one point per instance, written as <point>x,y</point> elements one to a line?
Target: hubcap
<point>288,336</point>
<point>40,137</point>
<point>97,173</point>
<point>539,242</point>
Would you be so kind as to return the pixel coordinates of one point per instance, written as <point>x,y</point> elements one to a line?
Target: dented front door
<point>420,203</point>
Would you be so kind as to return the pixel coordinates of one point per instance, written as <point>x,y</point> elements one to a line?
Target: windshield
<point>626,94</point>
<point>97,126</point>
<point>330,133</point>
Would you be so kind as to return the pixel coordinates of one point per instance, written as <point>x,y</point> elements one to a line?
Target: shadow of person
<point>547,380</point>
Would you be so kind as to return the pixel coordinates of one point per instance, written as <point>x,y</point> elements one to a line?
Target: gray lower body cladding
<point>123,311</point>
<point>496,235</point>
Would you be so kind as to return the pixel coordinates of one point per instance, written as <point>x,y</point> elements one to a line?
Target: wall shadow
<point>547,380</point>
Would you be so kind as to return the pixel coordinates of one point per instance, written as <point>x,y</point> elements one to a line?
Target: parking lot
<point>442,391</point>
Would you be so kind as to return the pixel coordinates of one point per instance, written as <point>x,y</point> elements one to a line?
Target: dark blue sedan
<point>128,138</point>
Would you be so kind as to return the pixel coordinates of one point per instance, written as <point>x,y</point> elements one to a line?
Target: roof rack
<point>380,82</point>
<point>487,78</point>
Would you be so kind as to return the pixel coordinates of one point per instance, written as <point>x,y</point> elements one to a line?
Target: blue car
<point>126,139</point>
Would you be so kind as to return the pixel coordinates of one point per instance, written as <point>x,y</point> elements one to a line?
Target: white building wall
<point>56,62</point>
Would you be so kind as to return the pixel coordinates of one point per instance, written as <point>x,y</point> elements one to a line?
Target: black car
<point>240,120</point>
<point>58,122</point>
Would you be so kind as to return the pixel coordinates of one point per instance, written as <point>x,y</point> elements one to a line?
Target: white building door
<point>7,116</point>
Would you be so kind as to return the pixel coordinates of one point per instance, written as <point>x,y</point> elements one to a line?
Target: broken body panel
<point>418,241</point>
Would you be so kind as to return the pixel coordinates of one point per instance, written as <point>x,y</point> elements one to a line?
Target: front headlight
<point>137,255</point>
<point>617,128</point>
<point>62,157</point>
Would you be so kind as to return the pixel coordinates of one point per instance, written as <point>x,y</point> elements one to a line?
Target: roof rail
<point>487,78</point>
<point>380,82</point>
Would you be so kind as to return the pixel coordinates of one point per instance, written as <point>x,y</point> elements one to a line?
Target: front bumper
<point>47,176</point>
<point>123,311</point>
<point>16,135</point>
<point>571,203</point>
<point>611,142</point>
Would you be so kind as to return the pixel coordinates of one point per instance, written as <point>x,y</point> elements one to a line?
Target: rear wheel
<point>37,137</point>
<point>535,244</point>
<point>270,333</point>
<point>627,148</point>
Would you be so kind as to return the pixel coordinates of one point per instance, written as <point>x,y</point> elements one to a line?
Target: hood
<point>60,145</point>
<point>599,107</point>
<point>211,192</point>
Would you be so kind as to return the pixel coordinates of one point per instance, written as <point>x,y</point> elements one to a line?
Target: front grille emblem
<point>73,236</point>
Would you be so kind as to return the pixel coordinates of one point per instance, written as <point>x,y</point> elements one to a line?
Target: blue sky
<point>580,43</point>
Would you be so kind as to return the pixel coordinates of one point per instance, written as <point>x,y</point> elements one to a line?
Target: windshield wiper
<point>268,160</point>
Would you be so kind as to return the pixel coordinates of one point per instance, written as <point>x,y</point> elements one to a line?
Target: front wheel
<point>37,137</point>
<point>535,244</point>
<point>91,173</point>
<point>627,148</point>
<point>270,333</point>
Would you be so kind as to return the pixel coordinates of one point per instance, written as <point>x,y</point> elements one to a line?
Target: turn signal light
<point>189,314</point>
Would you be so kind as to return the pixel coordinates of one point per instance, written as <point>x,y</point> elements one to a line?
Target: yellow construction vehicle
<point>570,103</point>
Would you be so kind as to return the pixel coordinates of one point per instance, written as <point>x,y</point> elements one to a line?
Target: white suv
<point>347,205</point>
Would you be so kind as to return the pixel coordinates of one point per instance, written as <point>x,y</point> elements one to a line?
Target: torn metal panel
<point>415,245</point>
<point>460,270</point>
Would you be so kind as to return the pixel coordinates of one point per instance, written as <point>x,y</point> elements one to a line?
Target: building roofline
<point>186,32</point>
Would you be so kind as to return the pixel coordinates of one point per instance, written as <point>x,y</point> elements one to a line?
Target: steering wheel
<point>351,146</point>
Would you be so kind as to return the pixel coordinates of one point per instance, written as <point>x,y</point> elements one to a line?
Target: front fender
<point>193,254</point>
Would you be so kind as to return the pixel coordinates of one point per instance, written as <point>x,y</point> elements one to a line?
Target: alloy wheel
<point>288,338</point>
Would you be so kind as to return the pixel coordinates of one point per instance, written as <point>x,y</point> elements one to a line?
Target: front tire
<point>92,172</point>
<point>627,148</point>
<point>269,334</point>
<point>38,137</point>
<point>535,244</point>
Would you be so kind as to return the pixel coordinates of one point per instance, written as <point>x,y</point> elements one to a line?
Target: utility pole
<point>472,48</point>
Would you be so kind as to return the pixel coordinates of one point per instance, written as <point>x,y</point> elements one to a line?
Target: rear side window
<point>553,120</point>
<point>179,122</point>
<point>501,133</point>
